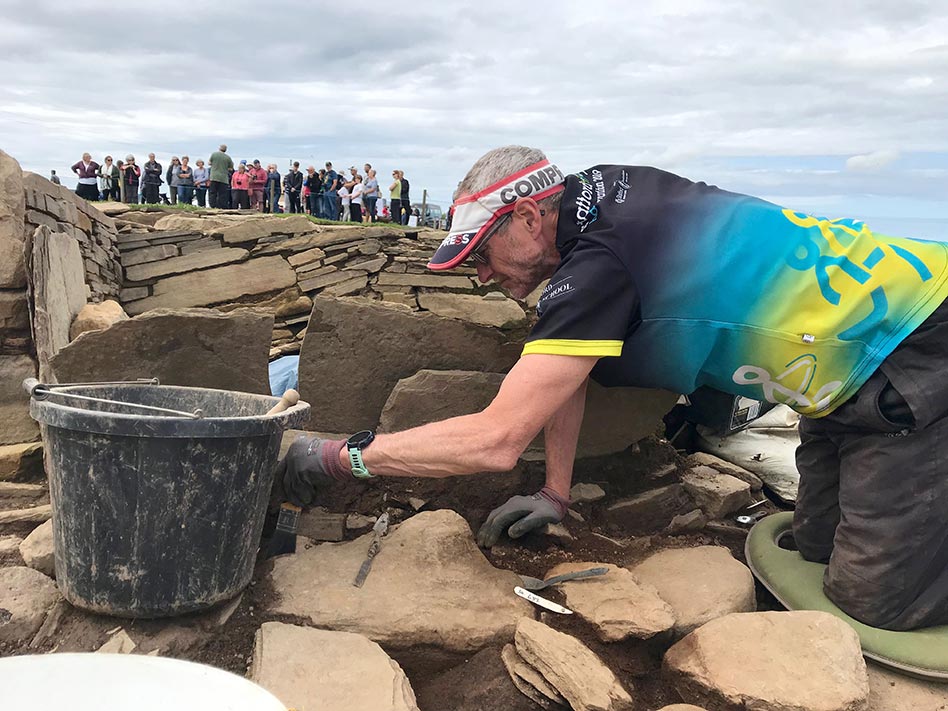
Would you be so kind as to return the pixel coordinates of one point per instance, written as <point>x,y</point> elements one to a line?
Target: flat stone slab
<point>615,604</point>
<point>429,585</point>
<point>571,668</point>
<point>889,691</point>
<point>650,510</point>
<point>17,425</point>
<point>25,597</point>
<point>785,661</point>
<point>728,468</point>
<point>426,280</point>
<point>256,229</point>
<point>218,285</point>
<point>185,263</point>
<point>319,669</point>
<point>614,417</point>
<point>528,680</point>
<point>194,347</point>
<point>347,335</point>
<point>700,584</point>
<point>470,307</point>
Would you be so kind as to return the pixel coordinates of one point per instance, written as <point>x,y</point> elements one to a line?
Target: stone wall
<point>62,211</point>
<point>28,201</point>
<point>176,260</point>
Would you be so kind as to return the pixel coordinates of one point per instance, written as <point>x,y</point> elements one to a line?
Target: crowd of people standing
<point>220,183</point>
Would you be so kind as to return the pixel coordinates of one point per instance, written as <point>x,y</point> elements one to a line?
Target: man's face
<point>85,157</point>
<point>151,156</point>
<point>517,260</point>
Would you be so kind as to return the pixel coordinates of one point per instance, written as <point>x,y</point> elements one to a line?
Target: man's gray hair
<point>496,165</point>
<point>223,148</point>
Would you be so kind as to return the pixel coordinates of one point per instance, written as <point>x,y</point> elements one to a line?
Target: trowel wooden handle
<point>290,398</point>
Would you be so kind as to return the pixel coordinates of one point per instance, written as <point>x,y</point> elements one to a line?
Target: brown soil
<point>638,664</point>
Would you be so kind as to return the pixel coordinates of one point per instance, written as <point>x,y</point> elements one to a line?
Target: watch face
<point>361,439</point>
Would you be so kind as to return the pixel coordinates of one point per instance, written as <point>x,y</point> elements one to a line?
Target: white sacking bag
<point>766,447</point>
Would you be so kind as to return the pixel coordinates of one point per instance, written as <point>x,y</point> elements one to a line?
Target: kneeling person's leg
<point>889,566</point>
<point>816,515</point>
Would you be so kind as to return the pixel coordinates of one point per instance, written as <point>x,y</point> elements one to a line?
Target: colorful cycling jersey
<point>678,284</point>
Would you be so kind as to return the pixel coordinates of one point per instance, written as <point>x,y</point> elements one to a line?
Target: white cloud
<point>874,161</point>
<point>783,97</point>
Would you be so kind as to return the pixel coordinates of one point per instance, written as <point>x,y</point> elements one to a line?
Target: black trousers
<point>218,194</point>
<point>293,201</point>
<point>88,192</point>
<point>240,199</point>
<point>873,499</point>
<point>355,213</point>
<point>395,209</point>
<point>151,193</point>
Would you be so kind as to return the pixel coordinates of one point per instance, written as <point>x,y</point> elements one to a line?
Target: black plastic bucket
<point>158,515</point>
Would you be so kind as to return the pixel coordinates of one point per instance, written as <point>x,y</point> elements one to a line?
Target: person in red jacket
<point>258,184</point>
<point>240,186</point>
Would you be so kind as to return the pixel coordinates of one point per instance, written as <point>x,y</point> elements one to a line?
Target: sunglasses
<point>477,254</point>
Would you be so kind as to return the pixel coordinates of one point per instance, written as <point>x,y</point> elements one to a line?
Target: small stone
<point>571,668</point>
<point>96,317</point>
<point>699,584</point>
<point>25,597</point>
<point>321,525</point>
<point>687,523</point>
<point>37,550</point>
<point>715,493</point>
<point>118,643</point>
<point>21,461</point>
<point>726,467</point>
<point>358,522</point>
<point>681,707</point>
<point>615,604</point>
<point>558,532</point>
<point>416,503</point>
<point>575,515</point>
<point>495,296</point>
<point>319,669</point>
<point>791,661</point>
<point>302,305</point>
<point>585,493</point>
<point>10,544</point>
<point>220,616</point>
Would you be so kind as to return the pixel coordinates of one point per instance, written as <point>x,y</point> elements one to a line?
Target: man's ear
<point>527,210</point>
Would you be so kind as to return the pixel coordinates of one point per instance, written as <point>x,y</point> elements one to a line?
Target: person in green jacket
<point>221,166</point>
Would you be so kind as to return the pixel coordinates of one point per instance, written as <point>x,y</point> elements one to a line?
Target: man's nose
<point>484,272</point>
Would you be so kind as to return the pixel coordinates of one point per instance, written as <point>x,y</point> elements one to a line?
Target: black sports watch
<point>354,445</point>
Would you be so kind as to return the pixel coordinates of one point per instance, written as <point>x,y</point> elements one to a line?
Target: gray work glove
<point>308,462</point>
<point>522,514</point>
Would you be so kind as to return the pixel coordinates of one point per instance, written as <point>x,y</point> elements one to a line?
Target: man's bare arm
<point>535,389</point>
<point>561,436</point>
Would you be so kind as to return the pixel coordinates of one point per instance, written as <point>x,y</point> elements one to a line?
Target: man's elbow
<point>502,448</point>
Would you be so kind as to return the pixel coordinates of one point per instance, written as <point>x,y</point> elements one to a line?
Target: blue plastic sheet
<point>284,374</point>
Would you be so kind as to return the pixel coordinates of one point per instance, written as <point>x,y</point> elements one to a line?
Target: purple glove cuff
<point>557,501</point>
<point>328,452</point>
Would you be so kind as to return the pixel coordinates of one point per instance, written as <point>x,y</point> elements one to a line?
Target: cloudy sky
<point>838,108</point>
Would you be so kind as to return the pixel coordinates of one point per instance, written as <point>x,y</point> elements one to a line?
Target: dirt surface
<point>201,637</point>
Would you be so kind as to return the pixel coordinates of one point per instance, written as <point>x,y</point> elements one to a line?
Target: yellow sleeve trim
<point>565,346</point>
